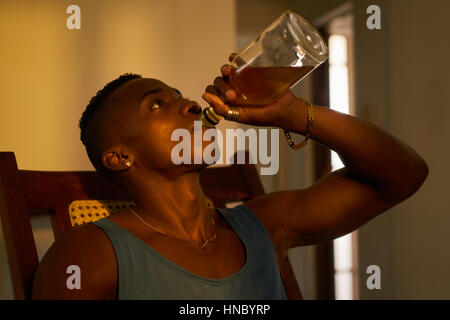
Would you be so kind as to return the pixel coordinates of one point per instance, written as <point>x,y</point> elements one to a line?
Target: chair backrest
<point>23,192</point>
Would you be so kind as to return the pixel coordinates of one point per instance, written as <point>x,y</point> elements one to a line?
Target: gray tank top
<point>144,273</point>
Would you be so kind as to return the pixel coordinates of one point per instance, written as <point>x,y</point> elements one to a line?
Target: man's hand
<point>280,113</point>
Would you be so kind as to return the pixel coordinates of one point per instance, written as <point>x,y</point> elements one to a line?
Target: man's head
<point>98,130</point>
<point>131,120</point>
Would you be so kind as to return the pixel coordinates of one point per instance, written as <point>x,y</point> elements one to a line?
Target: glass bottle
<point>281,56</point>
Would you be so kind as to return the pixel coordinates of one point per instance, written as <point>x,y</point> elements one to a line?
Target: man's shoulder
<point>81,240</point>
<point>85,249</point>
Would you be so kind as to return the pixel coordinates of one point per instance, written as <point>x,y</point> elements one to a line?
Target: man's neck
<point>176,207</point>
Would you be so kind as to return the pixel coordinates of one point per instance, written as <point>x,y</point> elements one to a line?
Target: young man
<point>171,245</point>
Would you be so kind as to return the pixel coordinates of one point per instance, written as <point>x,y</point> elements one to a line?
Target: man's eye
<point>155,105</point>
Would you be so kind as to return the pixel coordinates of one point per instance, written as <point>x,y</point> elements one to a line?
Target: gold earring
<point>128,164</point>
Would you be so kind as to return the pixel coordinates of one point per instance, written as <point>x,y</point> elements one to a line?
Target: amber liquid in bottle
<point>263,85</point>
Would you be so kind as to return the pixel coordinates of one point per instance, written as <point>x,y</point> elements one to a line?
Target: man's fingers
<point>236,59</point>
<point>226,92</point>
<point>230,95</point>
<point>225,70</point>
<point>218,105</point>
<point>221,85</point>
<point>211,89</point>
<point>232,56</point>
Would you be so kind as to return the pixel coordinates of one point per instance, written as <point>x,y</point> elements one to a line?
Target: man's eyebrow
<point>149,92</point>
<point>155,90</point>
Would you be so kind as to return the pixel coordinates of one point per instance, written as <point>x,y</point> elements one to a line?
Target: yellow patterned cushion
<point>83,211</point>
<point>209,203</point>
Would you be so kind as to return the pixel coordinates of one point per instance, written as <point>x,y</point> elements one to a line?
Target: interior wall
<point>49,73</point>
<point>372,85</point>
<point>400,85</point>
<point>420,115</point>
<point>398,88</point>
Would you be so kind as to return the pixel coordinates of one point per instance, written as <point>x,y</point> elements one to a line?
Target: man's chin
<point>195,167</point>
<point>203,165</point>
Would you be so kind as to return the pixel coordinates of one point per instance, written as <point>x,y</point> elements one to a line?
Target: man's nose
<point>190,108</point>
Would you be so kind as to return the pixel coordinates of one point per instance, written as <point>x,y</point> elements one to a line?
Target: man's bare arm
<point>380,171</point>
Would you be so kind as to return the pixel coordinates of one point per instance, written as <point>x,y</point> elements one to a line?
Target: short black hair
<point>98,132</point>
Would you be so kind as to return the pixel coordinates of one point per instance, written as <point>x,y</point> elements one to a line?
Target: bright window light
<point>339,101</point>
<point>339,93</point>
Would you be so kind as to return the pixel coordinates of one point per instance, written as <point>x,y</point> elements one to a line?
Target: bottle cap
<point>210,118</point>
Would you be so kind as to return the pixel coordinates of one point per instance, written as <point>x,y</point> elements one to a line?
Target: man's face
<point>149,111</point>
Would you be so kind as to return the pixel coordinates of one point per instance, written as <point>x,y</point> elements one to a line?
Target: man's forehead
<point>132,91</point>
<point>140,85</point>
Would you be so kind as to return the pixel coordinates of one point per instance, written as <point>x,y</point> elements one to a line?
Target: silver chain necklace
<point>150,226</point>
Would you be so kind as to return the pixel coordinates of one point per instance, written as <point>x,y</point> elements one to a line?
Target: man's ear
<point>116,160</point>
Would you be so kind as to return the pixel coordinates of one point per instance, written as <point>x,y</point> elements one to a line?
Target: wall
<point>49,73</point>
<point>402,74</point>
<point>420,114</point>
<point>401,86</point>
<point>372,90</point>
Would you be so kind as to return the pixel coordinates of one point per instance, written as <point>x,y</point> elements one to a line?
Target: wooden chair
<point>22,192</point>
